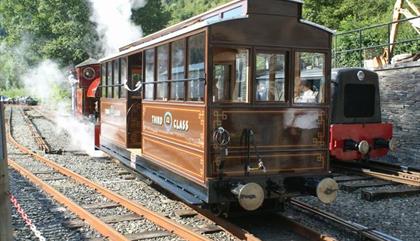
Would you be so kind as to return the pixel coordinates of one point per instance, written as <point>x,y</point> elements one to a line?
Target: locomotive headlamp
<point>250,196</point>
<point>361,75</point>
<point>363,147</point>
<point>392,145</point>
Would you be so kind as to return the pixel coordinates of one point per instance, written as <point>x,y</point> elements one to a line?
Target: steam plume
<point>114,25</point>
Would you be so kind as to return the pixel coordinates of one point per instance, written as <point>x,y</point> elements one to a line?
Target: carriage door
<point>135,75</point>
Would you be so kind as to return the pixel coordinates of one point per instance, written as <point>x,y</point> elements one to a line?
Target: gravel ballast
<point>398,216</point>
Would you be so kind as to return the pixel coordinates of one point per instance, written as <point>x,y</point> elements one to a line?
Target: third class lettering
<point>179,125</point>
<point>157,120</point>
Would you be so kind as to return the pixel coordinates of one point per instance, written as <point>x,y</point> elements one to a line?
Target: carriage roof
<point>197,22</point>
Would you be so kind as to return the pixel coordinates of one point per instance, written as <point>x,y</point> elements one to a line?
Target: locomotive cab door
<point>135,77</point>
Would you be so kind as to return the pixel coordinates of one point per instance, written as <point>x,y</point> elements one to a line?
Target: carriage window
<point>103,77</point>
<point>309,78</point>
<point>162,64</point>
<point>178,70</point>
<point>109,82</point>
<point>196,67</point>
<point>150,73</point>
<point>270,77</point>
<point>124,76</point>
<point>116,86</point>
<point>230,73</point>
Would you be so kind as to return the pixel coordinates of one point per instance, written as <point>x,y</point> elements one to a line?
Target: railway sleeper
<point>351,187</point>
<point>382,194</point>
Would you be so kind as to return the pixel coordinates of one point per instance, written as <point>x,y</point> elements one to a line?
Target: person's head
<point>305,85</point>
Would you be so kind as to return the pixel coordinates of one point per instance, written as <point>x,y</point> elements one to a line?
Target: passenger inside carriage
<point>306,93</point>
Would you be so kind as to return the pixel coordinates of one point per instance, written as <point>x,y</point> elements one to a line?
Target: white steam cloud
<point>114,25</point>
<point>44,81</point>
<point>41,81</point>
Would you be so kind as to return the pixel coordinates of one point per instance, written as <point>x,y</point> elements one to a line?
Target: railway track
<point>364,232</point>
<point>138,212</point>
<point>386,171</point>
<point>39,140</point>
<point>56,172</point>
<point>240,233</point>
<point>407,179</point>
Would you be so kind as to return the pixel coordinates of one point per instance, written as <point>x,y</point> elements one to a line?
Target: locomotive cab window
<point>230,75</point>
<point>270,77</point>
<point>309,78</point>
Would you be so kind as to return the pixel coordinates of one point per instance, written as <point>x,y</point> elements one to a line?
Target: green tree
<point>56,29</point>
<point>152,17</point>
<point>184,9</point>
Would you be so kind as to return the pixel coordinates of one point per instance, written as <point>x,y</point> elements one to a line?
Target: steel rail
<point>365,232</point>
<point>103,228</point>
<point>164,222</point>
<point>304,231</point>
<point>35,134</point>
<point>228,227</point>
<point>385,171</point>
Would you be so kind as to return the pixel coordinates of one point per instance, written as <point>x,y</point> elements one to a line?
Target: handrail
<point>360,45</point>
<point>376,26</point>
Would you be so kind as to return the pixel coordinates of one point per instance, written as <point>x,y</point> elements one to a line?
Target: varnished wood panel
<point>183,124</point>
<point>275,163</point>
<point>185,162</point>
<point>286,139</point>
<point>174,137</point>
<point>115,134</point>
<point>113,120</point>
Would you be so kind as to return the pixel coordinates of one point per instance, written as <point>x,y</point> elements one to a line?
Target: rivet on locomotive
<point>229,109</point>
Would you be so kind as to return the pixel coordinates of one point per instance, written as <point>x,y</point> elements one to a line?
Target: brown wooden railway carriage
<point>222,115</point>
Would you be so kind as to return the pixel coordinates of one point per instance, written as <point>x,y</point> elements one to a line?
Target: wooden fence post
<point>5,214</point>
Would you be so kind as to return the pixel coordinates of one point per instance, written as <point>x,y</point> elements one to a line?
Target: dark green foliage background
<point>34,30</point>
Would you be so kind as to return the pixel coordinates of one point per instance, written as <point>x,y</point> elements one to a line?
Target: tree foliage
<point>346,15</point>
<point>34,30</point>
<point>152,17</point>
<point>184,9</point>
